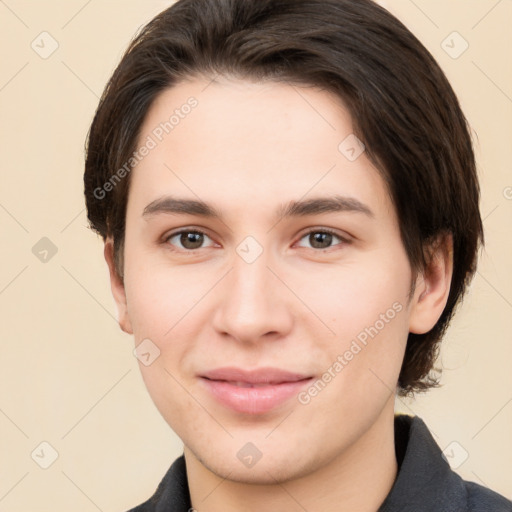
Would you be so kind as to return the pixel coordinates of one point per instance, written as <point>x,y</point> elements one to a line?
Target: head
<point>249,106</point>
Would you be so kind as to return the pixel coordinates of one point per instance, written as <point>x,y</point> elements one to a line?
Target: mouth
<point>241,384</point>
<point>253,391</point>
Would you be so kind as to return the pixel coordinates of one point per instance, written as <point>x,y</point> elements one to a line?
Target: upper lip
<point>256,376</point>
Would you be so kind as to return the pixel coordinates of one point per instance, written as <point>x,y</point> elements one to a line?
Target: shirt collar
<point>425,481</point>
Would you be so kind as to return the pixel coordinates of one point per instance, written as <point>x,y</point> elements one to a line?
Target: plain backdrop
<point>68,376</point>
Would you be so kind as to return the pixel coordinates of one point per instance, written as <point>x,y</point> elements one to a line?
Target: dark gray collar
<point>425,482</point>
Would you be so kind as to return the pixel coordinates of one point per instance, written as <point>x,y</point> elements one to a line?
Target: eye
<point>189,239</point>
<point>323,238</point>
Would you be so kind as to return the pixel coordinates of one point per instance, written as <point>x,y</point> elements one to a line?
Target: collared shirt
<point>424,483</point>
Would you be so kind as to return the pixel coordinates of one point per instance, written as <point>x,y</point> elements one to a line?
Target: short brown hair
<point>402,106</point>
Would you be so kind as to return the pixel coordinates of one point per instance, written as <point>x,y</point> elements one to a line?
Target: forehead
<point>258,141</point>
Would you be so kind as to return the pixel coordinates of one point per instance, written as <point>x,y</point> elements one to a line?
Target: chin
<point>265,472</point>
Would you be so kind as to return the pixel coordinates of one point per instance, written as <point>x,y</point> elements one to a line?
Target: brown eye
<point>322,239</point>
<point>187,240</point>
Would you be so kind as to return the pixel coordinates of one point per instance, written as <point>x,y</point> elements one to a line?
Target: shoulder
<point>482,499</point>
<point>426,482</point>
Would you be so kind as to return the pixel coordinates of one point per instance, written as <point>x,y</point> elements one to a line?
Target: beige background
<point>67,373</point>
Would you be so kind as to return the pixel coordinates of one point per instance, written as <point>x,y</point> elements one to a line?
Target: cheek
<point>160,296</point>
<point>165,305</point>
<point>161,303</point>
<point>368,313</point>
<point>356,297</point>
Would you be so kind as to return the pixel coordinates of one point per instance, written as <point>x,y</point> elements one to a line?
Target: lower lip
<point>257,400</point>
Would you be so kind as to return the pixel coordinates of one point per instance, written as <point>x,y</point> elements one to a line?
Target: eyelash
<point>344,241</point>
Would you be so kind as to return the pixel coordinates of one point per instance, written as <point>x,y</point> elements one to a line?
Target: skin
<point>246,149</point>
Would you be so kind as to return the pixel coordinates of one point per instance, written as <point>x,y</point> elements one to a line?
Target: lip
<point>253,391</point>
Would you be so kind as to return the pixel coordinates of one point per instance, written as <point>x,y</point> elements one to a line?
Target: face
<point>276,315</point>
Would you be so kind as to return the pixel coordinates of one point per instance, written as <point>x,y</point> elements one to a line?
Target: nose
<point>253,303</point>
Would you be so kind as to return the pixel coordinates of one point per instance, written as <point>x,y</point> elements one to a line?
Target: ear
<point>432,286</point>
<point>117,287</point>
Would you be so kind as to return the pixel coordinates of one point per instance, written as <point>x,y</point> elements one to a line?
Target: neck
<point>359,479</point>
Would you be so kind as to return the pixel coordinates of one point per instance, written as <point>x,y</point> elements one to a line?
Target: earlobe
<point>432,287</point>
<point>117,287</point>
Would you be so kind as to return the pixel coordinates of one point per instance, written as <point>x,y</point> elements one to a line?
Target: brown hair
<point>403,109</point>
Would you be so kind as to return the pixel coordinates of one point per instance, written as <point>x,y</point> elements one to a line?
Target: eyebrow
<point>314,206</point>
